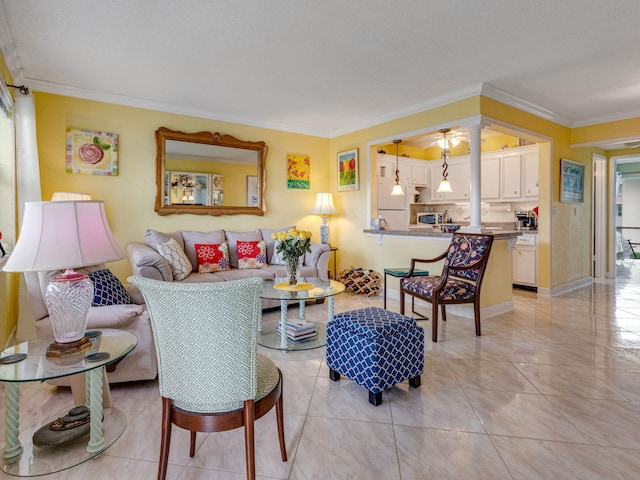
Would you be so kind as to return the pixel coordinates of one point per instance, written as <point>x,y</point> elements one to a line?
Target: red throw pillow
<point>251,254</point>
<point>212,257</point>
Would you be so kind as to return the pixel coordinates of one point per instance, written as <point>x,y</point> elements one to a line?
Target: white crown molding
<point>605,119</point>
<point>508,99</point>
<point>47,87</point>
<point>471,91</point>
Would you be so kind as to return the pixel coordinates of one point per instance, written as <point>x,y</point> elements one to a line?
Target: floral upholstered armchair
<point>464,264</point>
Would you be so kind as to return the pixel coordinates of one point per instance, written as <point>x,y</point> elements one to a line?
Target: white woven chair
<point>211,377</point>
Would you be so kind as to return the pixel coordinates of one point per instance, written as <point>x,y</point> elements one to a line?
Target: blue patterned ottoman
<point>375,348</point>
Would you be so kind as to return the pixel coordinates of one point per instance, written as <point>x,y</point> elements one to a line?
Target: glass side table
<point>269,336</point>
<point>20,457</point>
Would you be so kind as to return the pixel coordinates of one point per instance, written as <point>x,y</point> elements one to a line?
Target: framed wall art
<point>298,171</point>
<point>571,181</point>
<point>348,170</point>
<point>91,152</point>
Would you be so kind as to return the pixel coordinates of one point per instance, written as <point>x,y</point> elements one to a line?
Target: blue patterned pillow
<point>107,289</point>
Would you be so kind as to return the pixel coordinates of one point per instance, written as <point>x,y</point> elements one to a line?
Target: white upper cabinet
<point>411,171</point>
<point>490,178</point>
<point>458,173</point>
<point>511,176</point>
<point>530,175</point>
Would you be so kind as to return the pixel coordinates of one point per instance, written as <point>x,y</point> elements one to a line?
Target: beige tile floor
<point>551,390</point>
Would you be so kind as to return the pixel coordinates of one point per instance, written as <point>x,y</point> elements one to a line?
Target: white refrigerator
<point>393,208</point>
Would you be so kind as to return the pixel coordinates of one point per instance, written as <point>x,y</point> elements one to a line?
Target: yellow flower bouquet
<point>291,246</point>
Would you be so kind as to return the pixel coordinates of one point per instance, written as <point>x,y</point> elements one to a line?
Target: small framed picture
<point>571,181</point>
<point>348,170</point>
<point>91,152</point>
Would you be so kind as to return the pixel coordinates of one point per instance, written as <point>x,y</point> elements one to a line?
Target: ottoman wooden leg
<point>375,399</point>
<point>333,375</point>
<point>415,382</point>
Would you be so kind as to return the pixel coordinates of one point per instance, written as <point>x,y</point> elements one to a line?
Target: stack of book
<point>300,330</point>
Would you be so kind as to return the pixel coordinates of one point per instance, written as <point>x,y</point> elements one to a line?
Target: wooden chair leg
<point>192,444</point>
<point>280,419</point>
<point>249,445</point>
<point>476,314</point>
<point>434,321</point>
<point>401,301</point>
<point>444,312</point>
<point>165,438</point>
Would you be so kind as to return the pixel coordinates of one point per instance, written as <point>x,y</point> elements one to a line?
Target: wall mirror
<point>208,173</point>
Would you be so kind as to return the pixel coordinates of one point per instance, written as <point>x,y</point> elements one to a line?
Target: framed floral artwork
<point>571,181</point>
<point>348,170</point>
<point>92,152</point>
<point>298,171</point>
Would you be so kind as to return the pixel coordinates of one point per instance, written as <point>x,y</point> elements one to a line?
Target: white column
<point>475,224</point>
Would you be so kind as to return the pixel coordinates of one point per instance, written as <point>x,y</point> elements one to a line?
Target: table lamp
<point>324,206</point>
<point>64,235</point>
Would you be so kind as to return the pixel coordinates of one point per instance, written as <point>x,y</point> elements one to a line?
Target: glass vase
<point>293,271</point>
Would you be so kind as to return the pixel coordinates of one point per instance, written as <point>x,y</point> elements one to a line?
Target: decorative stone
<point>61,431</point>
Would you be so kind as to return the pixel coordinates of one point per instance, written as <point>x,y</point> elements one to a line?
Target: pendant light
<point>397,188</point>
<point>445,186</point>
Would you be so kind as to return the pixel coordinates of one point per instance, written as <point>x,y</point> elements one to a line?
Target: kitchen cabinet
<point>525,261</point>
<point>410,170</point>
<point>458,174</point>
<point>490,178</point>
<point>386,166</point>
<point>511,176</point>
<point>419,173</point>
<point>530,174</point>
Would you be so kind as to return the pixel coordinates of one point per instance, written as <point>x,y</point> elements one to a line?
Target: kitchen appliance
<point>433,218</point>
<point>393,208</point>
<point>526,220</point>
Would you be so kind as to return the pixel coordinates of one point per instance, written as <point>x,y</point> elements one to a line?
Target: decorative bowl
<point>449,227</point>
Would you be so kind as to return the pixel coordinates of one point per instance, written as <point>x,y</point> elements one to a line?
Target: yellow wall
<point>130,196</point>
<point>130,210</point>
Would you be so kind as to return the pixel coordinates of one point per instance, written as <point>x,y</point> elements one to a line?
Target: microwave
<point>430,218</point>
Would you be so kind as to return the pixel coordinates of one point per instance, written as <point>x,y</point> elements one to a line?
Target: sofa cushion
<point>176,258</point>
<point>212,257</point>
<point>191,238</point>
<point>153,238</point>
<point>233,237</point>
<point>107,289</point>
<point>251,254</point>
<point>271,243</point>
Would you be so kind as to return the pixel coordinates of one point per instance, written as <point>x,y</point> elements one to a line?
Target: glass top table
<point>20,457</point>
<point>270,337</point>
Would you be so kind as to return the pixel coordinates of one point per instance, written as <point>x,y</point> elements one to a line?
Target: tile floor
<point>551,390</point>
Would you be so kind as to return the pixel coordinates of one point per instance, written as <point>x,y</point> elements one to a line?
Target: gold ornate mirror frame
<point>243,163</point>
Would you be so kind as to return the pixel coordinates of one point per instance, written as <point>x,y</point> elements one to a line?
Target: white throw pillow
<point>177,259</point>
<point>277,257</point>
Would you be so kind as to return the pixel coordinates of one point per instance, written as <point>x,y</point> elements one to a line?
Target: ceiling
<point>332,66</point>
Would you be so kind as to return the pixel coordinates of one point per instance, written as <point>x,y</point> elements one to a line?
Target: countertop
<point>497,232</point>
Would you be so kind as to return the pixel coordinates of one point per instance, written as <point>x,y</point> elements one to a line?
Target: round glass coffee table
<point>28,362</point>
<point>270,337</point>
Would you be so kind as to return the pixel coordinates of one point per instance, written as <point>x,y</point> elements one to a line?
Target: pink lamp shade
<point>65,235</point>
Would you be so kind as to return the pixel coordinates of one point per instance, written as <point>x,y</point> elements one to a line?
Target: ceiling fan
<point>634,144</point>
<point>454,137</point>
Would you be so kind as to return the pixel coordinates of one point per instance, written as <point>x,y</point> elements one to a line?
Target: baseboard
<point>461,310</point>
<point>569,287</point>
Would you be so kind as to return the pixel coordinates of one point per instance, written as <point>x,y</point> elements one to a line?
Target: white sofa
<point>140,364</point>
<point>147,262</point>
